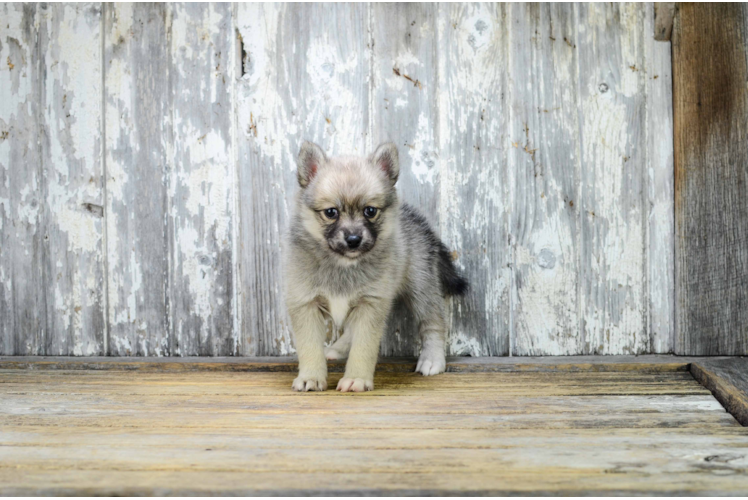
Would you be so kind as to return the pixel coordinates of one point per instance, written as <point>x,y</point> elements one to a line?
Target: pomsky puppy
<point>354,249</point>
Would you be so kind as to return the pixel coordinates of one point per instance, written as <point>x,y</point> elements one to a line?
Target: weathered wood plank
<point>651,406</point>
<point>544,159</point>
<point>332,461</point>
<point>269,385</point>
<point>710,70</point>
<point>475,193</point>
<point>22,237</point>
<point>556,375</point>
<point>138,131</point>
<point>300,80</point>
<point>230,422</point>
<point>644,364</point>
<point>557,480</point>
<point>612,89</point>
<point>710,442</point>
<point>70,61</point>
<point>404,109</point>
<point>202,181</point>
<point>664,12</point>
<point>217,433</point>
<point>728,381</point>
<point>660,194</point>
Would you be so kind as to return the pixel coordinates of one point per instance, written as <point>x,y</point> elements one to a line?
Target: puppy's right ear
<point>385,157</point>
<point>311,159</point>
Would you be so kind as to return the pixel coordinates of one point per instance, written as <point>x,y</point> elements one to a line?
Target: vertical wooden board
<point>22,291</point>
<point>660,247</point>
<point>474,182</point>
<point>138,134</point>
<point>710,105</point>
<point>201,188</point>
<point>612,89</point>
<point>71,157</point>
<point>544,156</point>
<point>404,110</point>
<point>300,80</point>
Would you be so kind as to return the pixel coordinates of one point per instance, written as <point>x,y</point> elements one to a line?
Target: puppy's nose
<point>353,240</point>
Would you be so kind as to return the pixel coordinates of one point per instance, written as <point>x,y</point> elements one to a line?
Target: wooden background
<point>147,168</point>
<point>710,96</point>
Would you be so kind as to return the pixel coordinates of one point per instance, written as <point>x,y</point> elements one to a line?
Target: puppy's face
<point>346,202</point>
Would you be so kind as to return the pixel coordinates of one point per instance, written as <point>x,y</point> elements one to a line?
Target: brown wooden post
<point>710,112</point>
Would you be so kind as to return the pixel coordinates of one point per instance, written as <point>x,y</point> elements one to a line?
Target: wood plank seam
<point>105,191</point>
<point>455,365</point>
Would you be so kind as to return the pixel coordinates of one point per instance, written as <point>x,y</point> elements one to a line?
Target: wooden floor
<point>88,432</point>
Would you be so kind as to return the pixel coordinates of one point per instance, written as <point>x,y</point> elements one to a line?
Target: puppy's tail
<point>452,282</point>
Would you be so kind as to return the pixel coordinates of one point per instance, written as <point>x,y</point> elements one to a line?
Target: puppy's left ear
<point>386,158</point>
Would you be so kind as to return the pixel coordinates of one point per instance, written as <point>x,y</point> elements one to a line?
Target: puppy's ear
<point>386,158</point>
<point>311,158</point>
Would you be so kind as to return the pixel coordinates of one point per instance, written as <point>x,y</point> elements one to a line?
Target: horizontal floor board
<point>553,481</point>
<point>648,363</point>
<point>100,404</point>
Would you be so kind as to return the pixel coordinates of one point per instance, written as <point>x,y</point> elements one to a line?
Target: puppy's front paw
<point>355,385</point>
<point>431,363</point>
<point>306,384</point>
<point>332,354</point>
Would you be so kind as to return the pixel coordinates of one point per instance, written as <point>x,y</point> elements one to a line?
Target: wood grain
<point>660,195</point>
<point>201,183</point>
<point>138,107</point>
<point>118,432</point>
<point>642,364</point>
<point>710,99</point>
<point>612,89</point>
<point>23,296</point>
<point>475,191</point>
<point>544,157</point>
<point>728,381</point>
<point>71,147</point>
<point>664,12</point>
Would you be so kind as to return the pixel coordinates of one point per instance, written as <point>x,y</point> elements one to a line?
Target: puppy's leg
<point>433,331</point>
<point>309,333</point>
<point>365,325</point>
<point>340,348</point>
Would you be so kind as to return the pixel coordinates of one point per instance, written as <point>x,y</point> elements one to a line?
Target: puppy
<point>354,250</point>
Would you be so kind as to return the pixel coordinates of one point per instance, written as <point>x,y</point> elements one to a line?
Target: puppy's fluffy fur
<point>354,249</point>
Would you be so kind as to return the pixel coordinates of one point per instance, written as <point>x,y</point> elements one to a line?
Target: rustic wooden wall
<point>147,168</point>
<point>710,96</point>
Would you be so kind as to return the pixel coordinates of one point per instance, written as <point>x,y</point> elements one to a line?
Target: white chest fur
<point>338,309</point>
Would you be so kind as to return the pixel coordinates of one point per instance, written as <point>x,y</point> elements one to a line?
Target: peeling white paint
<point>208,188</point>
<point>72,176</point>
<point>5,207</point>
<point>423,161</point>
<point>461,345</point>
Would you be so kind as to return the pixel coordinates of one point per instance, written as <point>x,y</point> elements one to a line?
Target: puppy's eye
<point>370,212</point>
<point>331,213</point>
